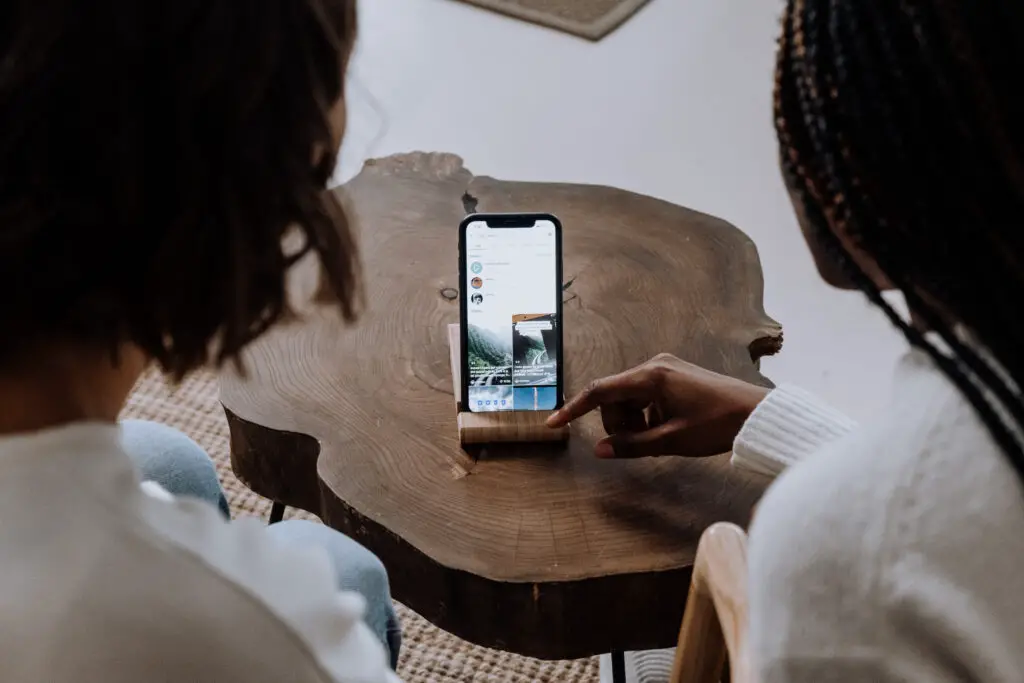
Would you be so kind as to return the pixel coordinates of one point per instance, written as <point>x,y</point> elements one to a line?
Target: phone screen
<point>512,321</point>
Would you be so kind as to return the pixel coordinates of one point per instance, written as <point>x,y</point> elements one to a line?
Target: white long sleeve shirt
<point>887,552</point>
<point>100,582</point>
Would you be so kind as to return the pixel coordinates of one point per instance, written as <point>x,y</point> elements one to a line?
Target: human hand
<point>665,406</point>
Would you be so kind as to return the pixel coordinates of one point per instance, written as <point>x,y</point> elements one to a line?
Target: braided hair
<point>901,127</point>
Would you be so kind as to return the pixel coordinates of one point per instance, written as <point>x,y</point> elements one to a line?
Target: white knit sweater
<point>100,583</point>
<point>895,552</point>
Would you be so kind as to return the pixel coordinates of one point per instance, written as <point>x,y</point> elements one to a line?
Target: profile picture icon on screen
<point>477,283</point>
<point>477,298</point>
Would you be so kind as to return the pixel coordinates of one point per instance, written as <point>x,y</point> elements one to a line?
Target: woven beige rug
<point>428,653</point>
<point>593,19</point>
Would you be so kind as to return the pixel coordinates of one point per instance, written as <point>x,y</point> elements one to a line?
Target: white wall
<point>675,104</point>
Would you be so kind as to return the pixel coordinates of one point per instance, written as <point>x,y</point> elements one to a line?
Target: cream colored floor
<point>675,104</point>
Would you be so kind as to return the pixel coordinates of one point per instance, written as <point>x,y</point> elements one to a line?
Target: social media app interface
<point>512,324</point>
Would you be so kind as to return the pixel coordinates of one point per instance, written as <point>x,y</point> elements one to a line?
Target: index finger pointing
<point>624,386</point>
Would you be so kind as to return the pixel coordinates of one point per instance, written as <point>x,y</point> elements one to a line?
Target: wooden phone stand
<point>502,427</point>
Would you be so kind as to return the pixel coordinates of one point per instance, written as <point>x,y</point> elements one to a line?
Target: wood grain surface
<point>538,549</point>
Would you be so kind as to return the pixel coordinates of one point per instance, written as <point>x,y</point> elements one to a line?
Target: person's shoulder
<point>925,432</point>
<point>235,572</point>
<point>876,527</point>
<point>925,445</point>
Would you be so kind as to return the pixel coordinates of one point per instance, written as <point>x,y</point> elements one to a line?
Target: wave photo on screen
<point>534,349</point>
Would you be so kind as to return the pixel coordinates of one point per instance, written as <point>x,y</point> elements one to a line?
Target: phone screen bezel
<point>508,221</point>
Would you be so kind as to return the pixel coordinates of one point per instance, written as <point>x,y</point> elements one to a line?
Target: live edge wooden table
<point>539,550</point>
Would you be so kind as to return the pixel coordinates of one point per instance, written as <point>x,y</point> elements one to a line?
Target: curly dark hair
<point>153,157</point>
<point>901,126</point>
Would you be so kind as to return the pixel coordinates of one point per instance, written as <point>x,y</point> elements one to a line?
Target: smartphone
<point>510,267</point>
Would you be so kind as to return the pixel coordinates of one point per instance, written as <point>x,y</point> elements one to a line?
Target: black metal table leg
<point>277,513</point>
<point>618,666</point>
